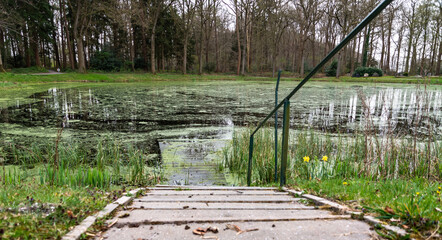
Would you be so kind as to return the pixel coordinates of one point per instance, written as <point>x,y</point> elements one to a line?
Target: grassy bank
<point>401,174</point>
<point>7,78</point>
<point>49,187</point>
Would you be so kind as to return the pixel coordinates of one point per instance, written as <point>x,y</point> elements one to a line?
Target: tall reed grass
<point>346,157</point>
<point>62,163</point>
<point>374,151</point>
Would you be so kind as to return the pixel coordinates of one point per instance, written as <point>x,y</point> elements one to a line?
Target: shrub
<point>210,67</point>
<point>331,70</point>
<point>360,71</point>
<point>106,61</point>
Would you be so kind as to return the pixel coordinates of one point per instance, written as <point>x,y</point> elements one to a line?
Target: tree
<point>82,11</point>
<point>187,9</point>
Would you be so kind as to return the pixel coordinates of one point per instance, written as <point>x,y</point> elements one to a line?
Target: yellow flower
<point>417,193</point>
<point>306,159</point>
<point>438,192</point>
<point>439,188</point>
<point>345,183</point>
<point>325,158</point>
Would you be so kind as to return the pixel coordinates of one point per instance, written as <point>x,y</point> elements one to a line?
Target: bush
<point>331,70</point>
<point>360,71</point>
<point>106,61</point>
<point>210,67</point>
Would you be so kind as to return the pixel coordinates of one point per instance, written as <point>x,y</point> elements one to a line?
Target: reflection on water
<point>187,122</point>
<point>389,109</point>
<point>147,107</point>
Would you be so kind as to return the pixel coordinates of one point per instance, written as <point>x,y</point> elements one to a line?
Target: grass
<point>48,187</point>
<point>140,77</point>
<point>351,171</point>
<point>35,211</point>
<point>410,204</point>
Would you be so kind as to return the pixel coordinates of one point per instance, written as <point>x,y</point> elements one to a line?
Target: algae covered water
<point>187,123</point>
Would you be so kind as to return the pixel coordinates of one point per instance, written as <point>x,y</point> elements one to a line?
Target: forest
<point>222,36</point>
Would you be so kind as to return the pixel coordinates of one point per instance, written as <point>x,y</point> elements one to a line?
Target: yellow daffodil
<point>306,159</point>
<point>417,193</point>
<point>324,158</point>
<point>438,192</point>
<point>345,183</point>
<point>439,188</point>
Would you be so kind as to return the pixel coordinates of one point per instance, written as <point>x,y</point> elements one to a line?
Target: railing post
<point>276,126</point>
<point>285,141</point>
<point>249,168</point>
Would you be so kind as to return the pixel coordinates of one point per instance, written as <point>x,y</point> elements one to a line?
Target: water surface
<point>187,116</point>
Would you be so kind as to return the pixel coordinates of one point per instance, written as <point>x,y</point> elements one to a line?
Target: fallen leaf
<point>124,215</point>
<point>199,231</point>
<point>248,230</point>
<point>405,226</point>
<point>438,209</point>
<point>326,206</point>
<point>70,214</point>
<point>389,210</point>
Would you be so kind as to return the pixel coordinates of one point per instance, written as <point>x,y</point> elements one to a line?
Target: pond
<point>188,122</point>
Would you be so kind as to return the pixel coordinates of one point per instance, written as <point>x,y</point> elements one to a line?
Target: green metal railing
<point>286,101</point>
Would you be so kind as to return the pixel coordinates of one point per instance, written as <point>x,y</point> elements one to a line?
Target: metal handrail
<point>286,100</point>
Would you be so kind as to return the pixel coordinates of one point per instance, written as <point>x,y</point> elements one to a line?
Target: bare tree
<point>187,8</point>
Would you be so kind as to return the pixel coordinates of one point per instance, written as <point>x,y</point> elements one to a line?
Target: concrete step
<point>211,188</point>
<point>214,192</point>
<point>300,230</point>
<point>220,206</point>
<point>139,216</point>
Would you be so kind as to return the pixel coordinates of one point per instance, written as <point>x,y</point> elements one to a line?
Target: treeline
<point>240,36</point>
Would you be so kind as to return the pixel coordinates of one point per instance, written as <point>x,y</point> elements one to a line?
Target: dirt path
<point>199,212</point>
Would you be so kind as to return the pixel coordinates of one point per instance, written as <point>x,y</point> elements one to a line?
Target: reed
<point>70,164</point>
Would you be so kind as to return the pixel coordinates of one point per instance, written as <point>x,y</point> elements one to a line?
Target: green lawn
<point>6,78</point>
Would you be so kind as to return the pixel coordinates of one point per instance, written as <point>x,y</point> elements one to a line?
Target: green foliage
<point>209,67</point>
<point>347,157</point>
<point>330,71</point>
<point>412,202</point>
<point>106,61</point>
<point>360,71</point>
<point>33,69</point>
<point>47,212</point>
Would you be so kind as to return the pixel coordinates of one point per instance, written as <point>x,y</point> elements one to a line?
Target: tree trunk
<point>144,46</point>
<point>200,55</point>
<point>80,51</point>
<point>238,66</point>
<point>26,46</point>
<point>56,52</point>
<point>413,60</point>
<point>2,45</point>
<point>390,26</point>
<point>186,41</point>
<point>216,41</point>
<point>439,59</point>
<point>69,40</point>
<point>1,61</point>
<point>338,68</point>
<point>365,47</point>
<point>62,31</point>
<point>152,49</point>
<point>36,49</point>
<point>399,50</point>
<point>243,67</point>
